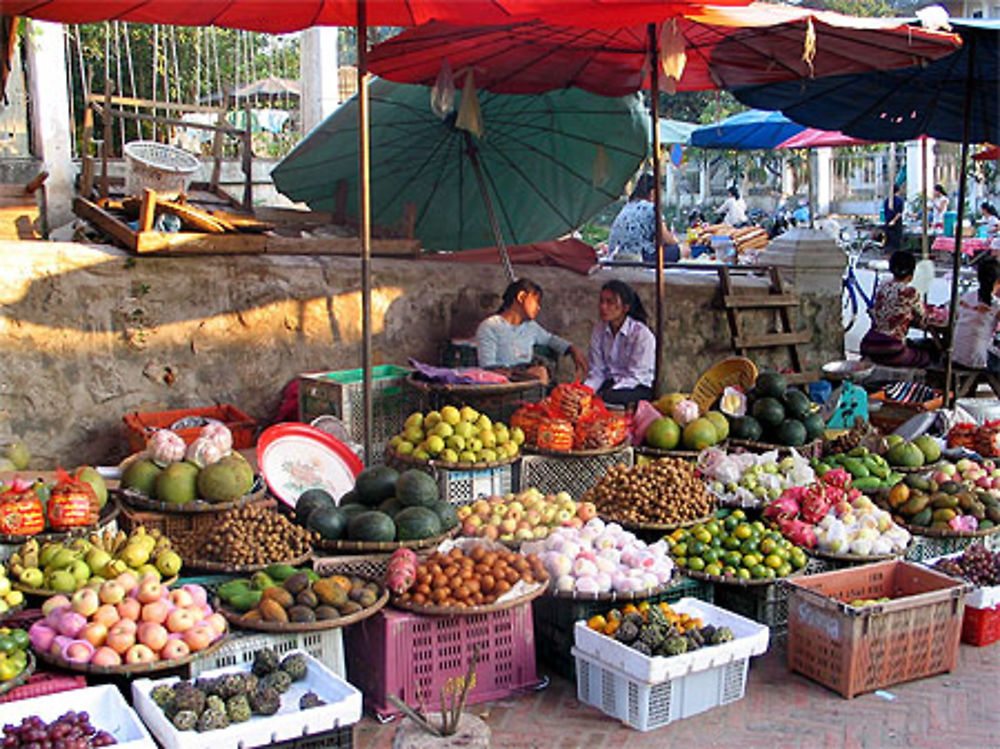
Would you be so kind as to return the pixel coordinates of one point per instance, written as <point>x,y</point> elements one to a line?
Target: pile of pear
<point>67,566</point>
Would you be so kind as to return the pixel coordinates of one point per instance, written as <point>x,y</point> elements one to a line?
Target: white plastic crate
<point>105,704</point>
<point>463,486</point>
<point>343,708</point>
<point>749,639</point>
<point>986,597</point>
<point>326,646</point>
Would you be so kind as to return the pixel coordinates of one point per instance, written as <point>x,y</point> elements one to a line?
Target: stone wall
<point>88,334</point>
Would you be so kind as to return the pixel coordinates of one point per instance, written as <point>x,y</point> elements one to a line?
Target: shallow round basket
<point>812,449</point>
<point>48,593</point>
<point>409,460</point>
<point>132,668</point>
<point>165,169</point>
<point>380,546</point>
<point>610,450</point>
<point>917,469</point>
<point>138,500</point>
<point>656,452</point>
<point>9,613</point>
<point>735,370</point>
<point>237,620</point>
<point>855,371</point>
<point>739,582</point>
<point>919,530</point>
<point>854,558</point>
<point>27,671</point>
<point>109,512</point>
<point>539,589</point>
<point>207,565</point>
<point>638,595</point>
<point>664,527</point>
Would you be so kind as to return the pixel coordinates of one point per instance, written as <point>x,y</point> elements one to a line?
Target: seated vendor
<point>622,352</point>
<point>897,308</point>
<point>506,340</point>
<point>978,317</point>
<point>633,232</point>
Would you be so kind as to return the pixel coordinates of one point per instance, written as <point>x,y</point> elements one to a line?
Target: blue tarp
<point>898,105</point>
<point>747,131</point>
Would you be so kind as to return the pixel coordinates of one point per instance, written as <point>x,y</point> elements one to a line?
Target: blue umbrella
<point>747,131</point>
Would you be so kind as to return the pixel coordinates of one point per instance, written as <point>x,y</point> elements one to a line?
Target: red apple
<point>105,656</point>
<point>121,638</point>
<point>95,633</point>
<point>152,635</point>
<point>181,597</point>
<point>199,637</point>
<point>218,623</point>
<point>150,590</point>
<point>155,611</point>
<point>128,581</point>
<point>139,654</point>
<point>586,511</point>
<point>112,592</point>
<point>130,609</point>
<point>180,619</point>
<point>85,601</point>
<point>107,615</point>
<point>174,649</point>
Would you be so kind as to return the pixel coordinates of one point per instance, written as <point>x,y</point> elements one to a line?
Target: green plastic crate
<point>341,394</point>
<point>555,617</point>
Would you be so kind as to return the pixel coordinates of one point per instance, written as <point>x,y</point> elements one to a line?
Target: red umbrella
<point>813,138</point>
<point>991,153</point>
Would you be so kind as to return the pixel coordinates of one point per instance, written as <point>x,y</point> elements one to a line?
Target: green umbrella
<point>548,162</point>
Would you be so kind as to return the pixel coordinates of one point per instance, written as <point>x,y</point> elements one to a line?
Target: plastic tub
<point>165,169</point>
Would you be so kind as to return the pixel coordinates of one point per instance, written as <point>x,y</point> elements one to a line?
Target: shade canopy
<point>282,16</point>
<point>723,47</point>
<point>900,105</point>
<point>549,163</point>
<point>747,131</point>
<point>676,131</point>
<point>813,138</point>
<point>992,153</point>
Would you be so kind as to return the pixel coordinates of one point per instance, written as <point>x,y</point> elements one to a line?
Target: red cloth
<point>970,245</point>
<point>573,254</point>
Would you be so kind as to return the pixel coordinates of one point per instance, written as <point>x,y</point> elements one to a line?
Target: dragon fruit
<point>783,507</point>
<point>798,532</point>
<point>402,571</point>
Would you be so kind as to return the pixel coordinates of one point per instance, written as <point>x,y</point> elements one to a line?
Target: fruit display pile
<point>525,516</point>
<point>977,564</point>
<point>250,535</point>
<point>471,577</point>
<point>661,491</point>
<point>10,597</point>
<point>658,630</point>
<point>208,469</point>
<point>683,426</point>
<point>600,558</point>
<point>383,506</point>
<point>777,414</point>
<point>456,436</point>
<point>127,621</point>
<point>924,450</point>
<point>949,505</point>
<point>300,597</point>
<point>69,503</point>
<point>13,652</point>
<point>732,546</point>
<point>572,417</point>
<point>213,703</point>
<point>869,471</point>
<point>72,730</point>
<point>750,479</point>
<point>65,566</point>
<point>831,515</point>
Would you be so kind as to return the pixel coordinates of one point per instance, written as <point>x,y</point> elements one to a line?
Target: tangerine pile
<point>476,577</point>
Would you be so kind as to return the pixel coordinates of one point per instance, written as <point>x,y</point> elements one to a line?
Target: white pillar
<point>703,186</point>
<point>320,80</point>
<point>914,170</point>
<point>824,180</point>
<point>50,127</point>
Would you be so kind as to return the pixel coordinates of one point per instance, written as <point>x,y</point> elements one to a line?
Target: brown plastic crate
<point>141,425</point>
<point>173,523</point>
<point>853,649</point>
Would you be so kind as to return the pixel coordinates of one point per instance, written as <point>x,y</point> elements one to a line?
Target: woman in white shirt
<point>978,316</point>
<point>734,210</point>
<point>939,206</point>
<point>622,357</point>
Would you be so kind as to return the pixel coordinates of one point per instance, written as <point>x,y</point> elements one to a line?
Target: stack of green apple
<point>66,566</point>
<point>456,435</point>
<point>9,597</point>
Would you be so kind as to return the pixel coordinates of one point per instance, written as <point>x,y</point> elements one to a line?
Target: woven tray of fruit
<point>17,678</point>
<point>813,449</point>
<point>138,667</point>
<point>381,546</point>
<point>55,511</point>
<point>299,604</point>
<point>455,438</point>
<point>921,530</point>
<point>208,565</point>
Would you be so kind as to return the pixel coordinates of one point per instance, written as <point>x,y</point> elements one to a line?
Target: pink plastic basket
<point>412,656</point>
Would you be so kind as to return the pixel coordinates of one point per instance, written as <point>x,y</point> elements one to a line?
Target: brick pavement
<point>781,709</point>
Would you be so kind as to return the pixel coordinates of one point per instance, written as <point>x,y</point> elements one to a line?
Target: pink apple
<point>198,593</point>
<point>199,637</point>
<point>181,597</point>
<point>152,635</point>
<point>112,592</point>
<point>85,601</point>
<point>79,651</point>
<point>106,614</point>
<point>55,602</point>
<point>128,581</point>
<point>941,477</point>
<point>105,656</point>
<point>150,590</point>
<point>121,638</point>
<point>155,611</point>
<point>174,649</point>
<point>95,633</point>
<point>139,654</point>
<point>180,619</point>
<point>130,609</point>
<point>218,623</point>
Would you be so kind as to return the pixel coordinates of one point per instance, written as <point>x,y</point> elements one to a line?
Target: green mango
<point>232,588</point>
<point>245,600</point>
<point>280,572</point>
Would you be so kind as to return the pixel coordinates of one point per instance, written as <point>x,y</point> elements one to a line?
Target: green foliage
<point>867,8</point>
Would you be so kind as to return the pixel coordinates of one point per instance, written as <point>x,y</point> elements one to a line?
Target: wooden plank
<point>760,301</point>
<point>778,287</point>
<point>106,145</point>
<point>194,243</point>
<point>127,101</point>
<point>293,216</point>
<point>111,226</point>
<point>771,340</point>
<point>801,378</point>
<point>147,210</point>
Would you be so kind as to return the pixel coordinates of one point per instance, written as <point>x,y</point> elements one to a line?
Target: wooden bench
<point>965,381</point>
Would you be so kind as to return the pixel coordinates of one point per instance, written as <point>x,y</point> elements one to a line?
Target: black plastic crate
<point>338,738</point>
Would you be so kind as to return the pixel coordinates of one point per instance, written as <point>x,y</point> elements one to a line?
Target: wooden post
<point>147,210</point>
<point>247,160</point>
<point>217,146</point>
<point>106,118</point>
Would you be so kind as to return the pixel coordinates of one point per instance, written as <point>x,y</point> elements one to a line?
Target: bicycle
<point>853,294</point>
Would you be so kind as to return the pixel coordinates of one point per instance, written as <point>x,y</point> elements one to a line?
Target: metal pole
<point>956,260</point>
<point>471,152</point>
<point>654,93</point>
<point>811,175</point>
<point>364,228</point>
<point>923,194</point>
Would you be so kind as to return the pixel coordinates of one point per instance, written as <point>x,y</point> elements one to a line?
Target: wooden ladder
<point>779,300</point>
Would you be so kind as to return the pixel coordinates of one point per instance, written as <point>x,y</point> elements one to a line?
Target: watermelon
<point>770,385</point>
<point>814,425</point>
<point>375,485</point>
<point>415,488</point>
<point>447,513</point>
<point>745,428</point>
<point>310,500</point>
<point>769,412</point>
<point>415,523</point>
<point>791,432</point>
<point>371,526</point>
<point>328,522</point>
<point>797,405</point>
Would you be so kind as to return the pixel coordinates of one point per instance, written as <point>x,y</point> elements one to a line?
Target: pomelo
<point>699,434</point>
<point>663,434</point>
<point>720,422</point>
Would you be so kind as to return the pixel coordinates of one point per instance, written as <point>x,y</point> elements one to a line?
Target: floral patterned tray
<point>294,457</point>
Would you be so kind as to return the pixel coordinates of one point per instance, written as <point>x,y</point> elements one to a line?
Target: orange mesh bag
<point>987,442</point>
<point>21,510</point>
<point>555,435</point>
<point>963,435</point>
<point>72,503</point>
<point>600,428</point>
<point>528,418</point>
<point>572,399</point>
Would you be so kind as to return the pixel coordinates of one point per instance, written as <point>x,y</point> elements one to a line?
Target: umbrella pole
<point>364,228</point>
<point>812,189</point>
<point>654,102</point>
<point>470,151</point>
<point>923,194</point>
<point>956,260</point>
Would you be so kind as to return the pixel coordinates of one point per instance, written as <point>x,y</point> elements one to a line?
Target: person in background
<point>978,317</point>
<point>893,208</point>
<point>992,226</point>
<point>939,206</point>
<point>801,214</point>
<point>897,308</point>
<point>734,210</point>
<point>633,232</point>
<point>622,355</point>
<point>506,340</point>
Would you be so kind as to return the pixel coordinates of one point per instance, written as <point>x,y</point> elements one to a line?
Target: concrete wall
<point>88,334</point>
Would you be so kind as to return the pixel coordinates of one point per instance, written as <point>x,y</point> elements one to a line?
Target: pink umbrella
<point>813,138</point>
